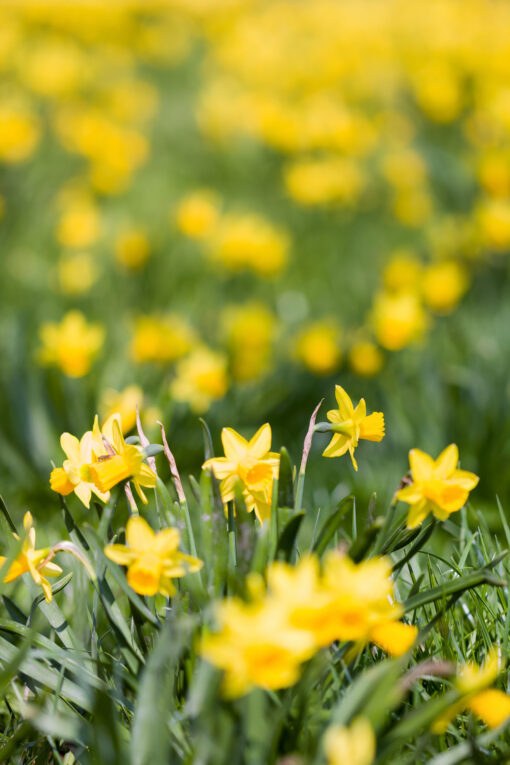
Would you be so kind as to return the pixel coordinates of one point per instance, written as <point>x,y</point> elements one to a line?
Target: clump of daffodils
<point>99,461</point>
<point>265,642</point>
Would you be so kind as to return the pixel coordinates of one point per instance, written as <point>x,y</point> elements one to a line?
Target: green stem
<point>461,584</point>
<point>231,526</point>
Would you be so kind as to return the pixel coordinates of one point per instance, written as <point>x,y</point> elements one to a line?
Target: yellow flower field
<point>254,386</point>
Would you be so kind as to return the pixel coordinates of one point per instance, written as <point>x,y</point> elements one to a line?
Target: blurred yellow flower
<point>79,224</point>
<point>74,475</point>
<point>349,424</point>
<point>123,462</point>
<point>54,67</point>
<point>249,241</point>
<point>398,319</point>
<point>493,172</point>
<point>161,338</point>
<point>404,169</point>
<point>493,222</point>
<point>132,248</point>
<point>365,359</point>
<point>492,705</point>
<point>37,562</point>
<point>153,559</point>
<point>318,347</point>
<point>250,330</point>
<point>402,272</point>
<point>354,745</point>
<point>124,402</point>
<point>197,214</point>
<point>77,273</point>
<point>437,486</point>
<point>346,601</point>
<point>438,91</point>
<point>71,345</point>
<point>256,646</point>
<point>325,181</point>
<point>248,464</point>
<point>201,378</point>
<point>443,285</point>
<point>19,132</point>
<point>412,208</point>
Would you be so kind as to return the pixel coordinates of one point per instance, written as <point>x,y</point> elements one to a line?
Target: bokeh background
<point>221,208</point>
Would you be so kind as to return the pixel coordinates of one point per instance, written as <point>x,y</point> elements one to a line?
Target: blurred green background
<point>249,202</point>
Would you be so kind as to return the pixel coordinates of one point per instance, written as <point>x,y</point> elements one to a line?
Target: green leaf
<point>287,540</point>
<point>332,524</point>
<point>285,480</point>
<point>150,741</point>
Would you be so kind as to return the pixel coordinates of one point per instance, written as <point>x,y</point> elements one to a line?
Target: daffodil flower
<point>74,475</point>
<point>437,486</point>
<point>39,562</point>
<point>153,559</point>
<point>347,601</point>
<point>349,424</point>
<point>256,646</point>
<point>355,745</point>
<point>249,464</point>
<point>121,462</point>
<point>474,682</point>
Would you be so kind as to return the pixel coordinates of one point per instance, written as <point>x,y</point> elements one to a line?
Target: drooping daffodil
<point>349,424</point>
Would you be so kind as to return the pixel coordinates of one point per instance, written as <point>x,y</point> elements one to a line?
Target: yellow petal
<point>146,476</point>
<point>492,706</point>
<point>351,452</point>
<point>410,494</point>
<point>139,535</point>
<point>394,637</point>
<point>337,446</point>
<point>221,467</point>
<point>71,446</point>
<point>167,542</point>
<point>417,514</point>
<point>120,554</point>
<point>446,462</point>
<point>83,492</point>
<point>344,403</point>
<point>422,465</point>
<point>465,479</point>
<point>234,445</point>
<point>260,443</point>
<point>361,410</point>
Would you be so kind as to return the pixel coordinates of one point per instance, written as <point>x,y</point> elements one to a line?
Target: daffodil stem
<point>306,451</point>
<point>274,521</point>
<point>231,527</point>
<point>299,490</point>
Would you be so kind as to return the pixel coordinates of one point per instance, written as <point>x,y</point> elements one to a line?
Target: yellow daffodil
<point>197,214</point>
<point>349,424</point>
<point>74,475</point>
<point>153,559</point>
<point>71,345</point>
<point>250,465</point>
<point>122,462</point>
<point>354,745</point>
<point>437,486</point>
<point>201,378</point>
<point>474,682</point>
<point>347,601</point>
<point>124,402</point>
<point>256,646</point>
<point>37,562</point>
